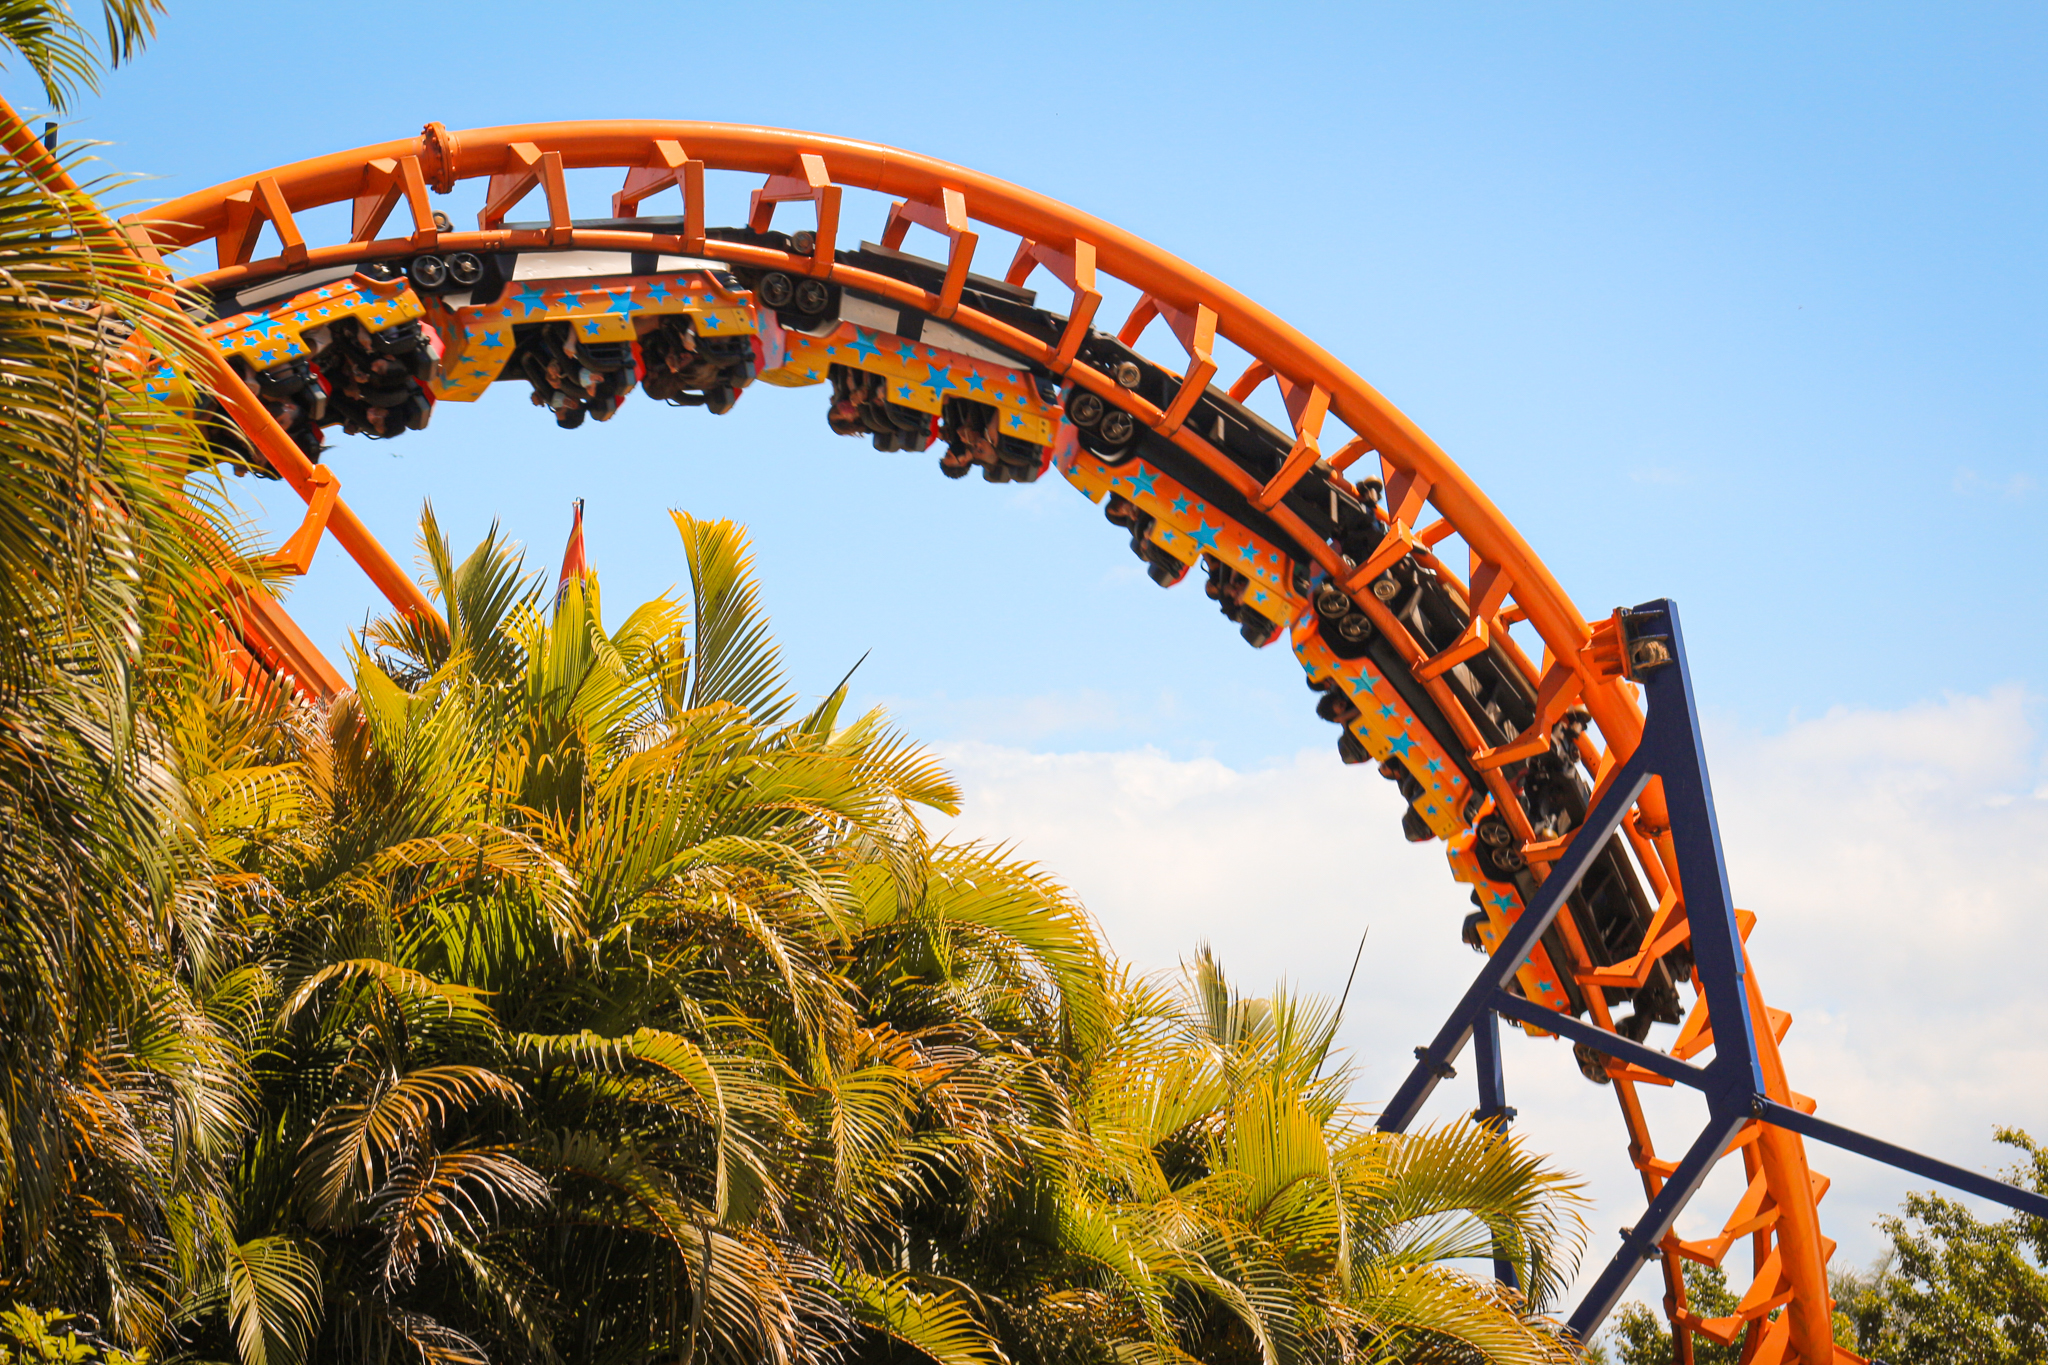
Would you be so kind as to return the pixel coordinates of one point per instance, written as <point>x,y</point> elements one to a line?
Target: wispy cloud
<point>1969,482</point>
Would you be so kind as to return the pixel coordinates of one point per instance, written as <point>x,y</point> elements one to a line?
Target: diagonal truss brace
<point>1732,1082</point>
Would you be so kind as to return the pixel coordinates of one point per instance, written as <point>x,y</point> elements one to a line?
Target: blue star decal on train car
<point>1205,536</point>
<point>622,304</point>
<point>658,293</point>
<point>1250,552</point>
<point>491,340</point>
<point>532,299</point>
<point>1503,901</point>
<point>1401,744</point>
<point>903,389</point>
<point>974,385</point>
<point>1142,481</point>
<point>711,320</point>
<point>1180,505</point>
<point>907,351</point>
<point>1016,420</point>
<point>590,328</point>
<point>940,378</point>
<point>262,325</point>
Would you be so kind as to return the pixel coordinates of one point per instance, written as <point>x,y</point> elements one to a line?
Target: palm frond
<point>735,659</point>
<point>935,1323</point>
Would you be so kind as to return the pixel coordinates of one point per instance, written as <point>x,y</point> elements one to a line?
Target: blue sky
<point>1739,304</point>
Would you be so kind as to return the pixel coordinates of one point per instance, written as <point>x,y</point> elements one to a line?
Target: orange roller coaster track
<point>1354,571</point>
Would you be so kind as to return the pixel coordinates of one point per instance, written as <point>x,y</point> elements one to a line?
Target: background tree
<point>1953,1289</point>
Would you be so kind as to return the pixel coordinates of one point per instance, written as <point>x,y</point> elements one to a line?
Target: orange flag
<point>574,566</point>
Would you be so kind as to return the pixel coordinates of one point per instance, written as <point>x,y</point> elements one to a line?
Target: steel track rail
<point>395,181</point>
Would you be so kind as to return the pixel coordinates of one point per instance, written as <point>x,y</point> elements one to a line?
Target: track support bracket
<point>1734,1082</point>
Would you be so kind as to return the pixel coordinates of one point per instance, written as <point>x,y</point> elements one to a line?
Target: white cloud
<point>1969,481</point>
<point>1898,862</point>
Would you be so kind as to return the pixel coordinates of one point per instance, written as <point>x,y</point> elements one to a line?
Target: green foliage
<point>62,52</point>
<point>1640,1337</point>
<point>121,1096</point>
<point>28,1337</point>
<point>1953,1290</point>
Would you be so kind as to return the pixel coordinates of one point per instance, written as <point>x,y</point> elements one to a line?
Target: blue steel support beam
<point>1639,1243</point>
<point>1770,1111</point>
<point>1433,1063</point>
<point>1672,747</point>
<point>1877,1149</point>
<point>1600,1040</point>
<point>1493,1111</point>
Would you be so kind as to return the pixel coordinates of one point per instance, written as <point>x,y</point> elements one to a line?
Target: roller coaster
<point>1569,792</point>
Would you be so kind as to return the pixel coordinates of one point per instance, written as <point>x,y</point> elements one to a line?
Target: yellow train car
<point>1389,730</point>
<point>921,377</point>
<point>277,334</point>
<point>603,308</point>
<point>1187,526</point>
<point>1499,908</point>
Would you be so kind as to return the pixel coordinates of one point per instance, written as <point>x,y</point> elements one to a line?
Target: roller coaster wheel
<point>1164,575</point>
<point>1084,409</point>
<point>803,242</point>
<point>428,272</point>
<point>442,223</point>
<point>1128,374</point>
<point>1117,427</point>
<point>1499,857</point>
<point>1354,627</point>
<point>775,290</point>
<point>1501,864</point>
<point>465,268</point>
<point>379,270</point>
<point>812,297</point>
<point>1331,602</point>
<point>1337,708</point>
<point>1386,587</point>
<point>1592,1065</point>
<point>1259,632</point>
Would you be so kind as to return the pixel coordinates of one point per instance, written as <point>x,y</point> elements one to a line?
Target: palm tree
<point>119,1093</point>
<point>1234,1207</point>
<point>620,1006</point>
